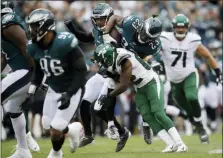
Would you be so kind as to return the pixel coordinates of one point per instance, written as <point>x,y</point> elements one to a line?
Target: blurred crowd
<point>205,17</point>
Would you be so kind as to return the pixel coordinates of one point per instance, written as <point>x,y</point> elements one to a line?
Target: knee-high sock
<point>86,117</point>
<point>19,124</point>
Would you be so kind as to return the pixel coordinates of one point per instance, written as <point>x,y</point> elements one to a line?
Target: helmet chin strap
<point>180,35</point>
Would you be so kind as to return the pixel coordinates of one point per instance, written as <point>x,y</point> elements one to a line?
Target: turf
<point>135,148</point>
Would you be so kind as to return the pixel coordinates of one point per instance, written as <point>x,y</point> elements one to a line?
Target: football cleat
<point>147,133</point>
<point>202,133</point>
<point>21,153</point>
<point>32,144</point>
<point>86,140</point>
<point>170,148</point>
<point>112,133</point>
<point>55,154</point>
<point>123,140</point>
<point>181,148</point>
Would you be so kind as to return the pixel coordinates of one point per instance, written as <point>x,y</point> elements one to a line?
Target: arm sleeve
<point>82,36</point>
<point>79,68</point>
<point>38,74</point>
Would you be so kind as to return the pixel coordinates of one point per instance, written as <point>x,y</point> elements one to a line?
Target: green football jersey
<point>98,37</point>
<point>56,61</point>
<point>129,28</point>
<point>14,57</point>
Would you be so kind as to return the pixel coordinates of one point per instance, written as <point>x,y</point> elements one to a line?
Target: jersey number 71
<point>178,55</point>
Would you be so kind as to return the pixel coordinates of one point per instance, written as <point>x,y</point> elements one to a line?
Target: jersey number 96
<point>51,66</point>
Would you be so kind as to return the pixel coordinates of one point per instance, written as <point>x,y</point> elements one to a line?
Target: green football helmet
<point>180,20</point>
<point>150,30</point>
<point>105,55</point>
<point>101,11</point>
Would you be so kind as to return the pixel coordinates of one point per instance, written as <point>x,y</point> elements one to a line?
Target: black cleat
<point>202,133</point>
<point>86,140</point>
<point>147,133</point>
<point>123,140</point>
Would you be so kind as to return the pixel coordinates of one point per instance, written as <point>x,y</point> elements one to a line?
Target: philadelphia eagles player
<point>57,56</point>
<point>101,13</point>
<point>142,38</point>
<point>178,50</point>
<point>149,95</point>
<point>15,85</point>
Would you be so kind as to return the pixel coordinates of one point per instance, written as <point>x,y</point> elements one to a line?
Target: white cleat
<point>32,144</point>
<point>75,135</point>
<point>170,148</point>
<point>21,153</point>
<point>182,148</point>
<point>55,154</point>
<point>112,133</point>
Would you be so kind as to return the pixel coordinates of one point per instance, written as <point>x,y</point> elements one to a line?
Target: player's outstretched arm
<point>203,52</point>
<point>17,36</point>
<point>82,36</point>
<point>125,77</point>
<point>3,62</point>
<point>113,20</point>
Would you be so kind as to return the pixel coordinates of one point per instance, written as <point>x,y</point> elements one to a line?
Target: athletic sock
<point>19,124</point>
<point>164,136</point>
<point>175,136</point>
<point>86,117</point>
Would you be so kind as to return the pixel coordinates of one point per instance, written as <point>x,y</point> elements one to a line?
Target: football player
<point>142,38</point>
<point>15,85</point>
<point>58,56</point>
<point>178,50</point>
<point>149,95</point>
<point>100,16</point>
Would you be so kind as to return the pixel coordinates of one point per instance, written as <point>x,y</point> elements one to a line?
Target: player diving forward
<point>149,95</point>
<point>178,50</point>
<point>100,15</point>
<point>15,85</point>
<point>58,56</point>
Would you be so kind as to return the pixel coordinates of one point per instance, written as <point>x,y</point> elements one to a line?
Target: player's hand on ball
<point>65,101</point>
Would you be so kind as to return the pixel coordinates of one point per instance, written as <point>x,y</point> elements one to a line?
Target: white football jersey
<point>142,73</point>
<point>178,56</point>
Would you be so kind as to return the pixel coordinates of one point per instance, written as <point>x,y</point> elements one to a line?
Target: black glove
<point>219,78</point>
<point>102,100</point>
<point>158,68</point>
<point>65,101</point>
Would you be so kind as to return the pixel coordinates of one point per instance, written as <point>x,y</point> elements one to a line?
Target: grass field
<point>135,148</point>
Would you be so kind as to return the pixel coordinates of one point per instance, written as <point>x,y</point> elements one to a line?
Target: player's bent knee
<point>191,96</point>
<point>46,122</point>
<point>160,115</point>
<point>59,124</point>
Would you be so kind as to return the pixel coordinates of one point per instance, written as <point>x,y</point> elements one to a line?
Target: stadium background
<point>205,17</point>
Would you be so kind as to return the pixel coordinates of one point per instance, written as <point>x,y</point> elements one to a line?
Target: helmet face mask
<point>101,14</point>
<point>40,21</point>
<point>180,25</point>
<point>150,30</point>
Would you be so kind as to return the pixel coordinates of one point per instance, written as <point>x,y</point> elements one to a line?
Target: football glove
<point>219,78</point>
<point>102,100</point>
<point>65,101</point>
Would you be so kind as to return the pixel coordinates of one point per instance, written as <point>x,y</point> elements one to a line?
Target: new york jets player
<point>178,49</point>
<point>149,95</point>
<point>15,84</point>
<point>101,13</point>
<point>58,56</point>
<point>142,38</point>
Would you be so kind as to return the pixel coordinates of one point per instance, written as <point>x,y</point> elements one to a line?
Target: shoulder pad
<point>68,39</point>
<point>132,21</point>
<point>165,35</point>
<point>9,19</point>
<point>194,37</point>
<point>122,54</point>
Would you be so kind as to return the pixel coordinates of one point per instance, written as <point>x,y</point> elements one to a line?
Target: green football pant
<point>150,102</point>
<point>185,94</point>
